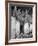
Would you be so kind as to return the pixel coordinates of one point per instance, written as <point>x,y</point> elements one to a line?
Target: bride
<point>28,23</point>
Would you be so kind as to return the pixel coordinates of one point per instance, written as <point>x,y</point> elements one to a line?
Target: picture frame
<point>29,8</point>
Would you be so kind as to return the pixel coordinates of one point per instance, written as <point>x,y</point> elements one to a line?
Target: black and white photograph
<point>21,22</point>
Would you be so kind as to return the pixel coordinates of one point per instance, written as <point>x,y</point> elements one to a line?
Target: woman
<point>28,21</point>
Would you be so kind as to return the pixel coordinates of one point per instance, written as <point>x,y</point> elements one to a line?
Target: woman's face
<point>22,11</point>
<point>19,10</point>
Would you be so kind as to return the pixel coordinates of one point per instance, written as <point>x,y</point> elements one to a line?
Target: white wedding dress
<point>27,29</point>
<point>15,27</point>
